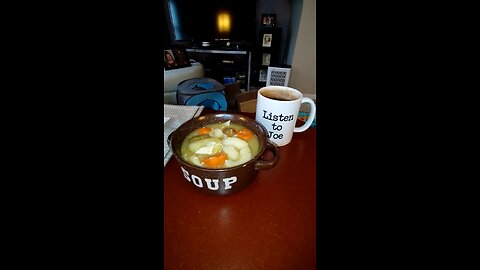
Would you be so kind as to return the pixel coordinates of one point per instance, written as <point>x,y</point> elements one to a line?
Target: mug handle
<point>267,164</point>
<point>311,116</point>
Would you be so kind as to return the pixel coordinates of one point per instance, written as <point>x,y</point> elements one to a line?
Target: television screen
<point>211,20</point>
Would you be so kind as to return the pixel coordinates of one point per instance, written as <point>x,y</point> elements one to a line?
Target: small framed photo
<point>266,59</point>
<point>267,40</point>
<point>175,58</point>
<point>262,75</point>
<point>269,20</point>
<point>169,60</point>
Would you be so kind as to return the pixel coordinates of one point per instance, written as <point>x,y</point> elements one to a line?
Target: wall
<point>295,16</point>
<point>303,73</point>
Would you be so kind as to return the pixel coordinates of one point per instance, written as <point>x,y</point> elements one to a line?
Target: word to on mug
<point>212,184</point>
<point>273,117</point>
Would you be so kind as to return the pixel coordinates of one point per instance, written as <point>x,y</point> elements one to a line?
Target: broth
<point>281,95</point>
<point>220,145</point>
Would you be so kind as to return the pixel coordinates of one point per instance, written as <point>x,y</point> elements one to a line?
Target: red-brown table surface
<point>271,224</point>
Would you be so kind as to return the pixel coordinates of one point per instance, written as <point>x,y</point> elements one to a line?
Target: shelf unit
<point>220,63</point>
<point>267,54</point>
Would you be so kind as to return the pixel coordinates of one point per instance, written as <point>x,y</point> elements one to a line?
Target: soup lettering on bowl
<point>220,145</point>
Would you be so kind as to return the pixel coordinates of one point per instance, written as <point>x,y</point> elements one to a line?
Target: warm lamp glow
<point>223,22</point>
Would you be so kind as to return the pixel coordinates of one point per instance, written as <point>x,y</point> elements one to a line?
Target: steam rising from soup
<point>220,145</point>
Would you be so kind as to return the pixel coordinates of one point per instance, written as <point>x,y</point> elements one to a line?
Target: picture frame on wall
<point>267,40</point>
<point>266,59</point>
<point>269,20</point>
<point>262,75</point>
<point>174,58</point>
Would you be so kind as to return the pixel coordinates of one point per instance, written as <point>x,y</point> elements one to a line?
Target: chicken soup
<point>220,145</point>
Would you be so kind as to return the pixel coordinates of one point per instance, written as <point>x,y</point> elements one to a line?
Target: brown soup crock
<point>223,181</point>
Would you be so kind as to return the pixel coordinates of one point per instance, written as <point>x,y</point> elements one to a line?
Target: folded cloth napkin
<point>173,117</point>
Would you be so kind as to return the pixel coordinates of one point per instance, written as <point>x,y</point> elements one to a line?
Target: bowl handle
<point>267,164</point>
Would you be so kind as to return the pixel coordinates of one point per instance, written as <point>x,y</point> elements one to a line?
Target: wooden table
<point>271,224</point>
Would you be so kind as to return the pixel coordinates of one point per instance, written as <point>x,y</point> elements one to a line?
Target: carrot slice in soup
<point>244,134</point>
<point>215,161</point>
<point>204,130</point>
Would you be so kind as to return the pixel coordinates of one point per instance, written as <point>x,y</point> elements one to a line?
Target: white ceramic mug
<point>277,110</point>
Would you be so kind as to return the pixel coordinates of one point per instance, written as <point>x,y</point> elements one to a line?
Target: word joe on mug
<point>277,110</point>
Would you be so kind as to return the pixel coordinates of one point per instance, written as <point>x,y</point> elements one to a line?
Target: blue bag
<point>202,92</point>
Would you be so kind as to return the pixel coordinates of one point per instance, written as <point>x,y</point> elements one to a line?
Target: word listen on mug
<point>277,111</point>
